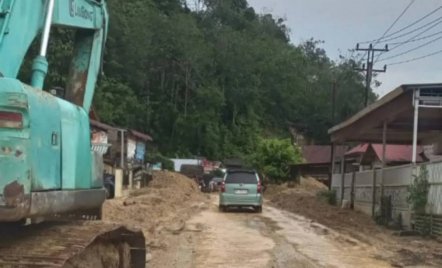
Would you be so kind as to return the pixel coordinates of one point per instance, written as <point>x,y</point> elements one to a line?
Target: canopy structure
<point>410,114</point>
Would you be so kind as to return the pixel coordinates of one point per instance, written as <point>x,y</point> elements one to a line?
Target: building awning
<point>396,109</point>
<point>140,135</point>
<point>100,125</point>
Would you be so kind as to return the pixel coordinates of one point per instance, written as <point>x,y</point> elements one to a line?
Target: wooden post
<point>384,149</point>
<point>332,168</point>
<point>118,183</point>
<point>122,150</point>
<point>352,193</point>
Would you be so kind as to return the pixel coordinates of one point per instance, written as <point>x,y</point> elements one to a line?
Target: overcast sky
<point>343,23</point>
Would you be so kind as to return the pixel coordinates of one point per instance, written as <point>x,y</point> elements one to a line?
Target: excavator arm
<point>21,21</point>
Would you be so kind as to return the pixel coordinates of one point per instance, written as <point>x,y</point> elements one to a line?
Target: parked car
<point>241,188</point>
<point>109,185</point>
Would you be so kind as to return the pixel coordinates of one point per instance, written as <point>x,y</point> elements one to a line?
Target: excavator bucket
<point>71,245</point>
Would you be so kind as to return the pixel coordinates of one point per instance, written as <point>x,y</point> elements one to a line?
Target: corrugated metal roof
<point>393,153</point>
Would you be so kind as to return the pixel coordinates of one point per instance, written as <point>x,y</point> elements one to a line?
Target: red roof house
<point>371,154</point>
<point>320,154</point>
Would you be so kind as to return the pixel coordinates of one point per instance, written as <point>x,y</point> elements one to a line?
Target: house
<point>317,161</point>
<point>100,142</point>
<point>131,144</point>
<point>369,155</point>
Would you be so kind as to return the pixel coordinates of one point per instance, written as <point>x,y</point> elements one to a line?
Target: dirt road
<point>183,228</point>
<point>274,238</point>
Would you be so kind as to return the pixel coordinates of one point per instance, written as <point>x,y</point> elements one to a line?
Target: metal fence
<point>365,189</point>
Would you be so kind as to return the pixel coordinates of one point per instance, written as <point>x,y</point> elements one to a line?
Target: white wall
<point>179,162</point>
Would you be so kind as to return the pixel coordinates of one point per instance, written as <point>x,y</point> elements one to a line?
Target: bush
<point>273,158</point>
<point>328,196</point>
<point>418,191</point>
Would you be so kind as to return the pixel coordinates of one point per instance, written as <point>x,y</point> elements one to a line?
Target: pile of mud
<point>302,200</point>
<point>167,202</point>
<point>307,186</point>
<point>309,205</point>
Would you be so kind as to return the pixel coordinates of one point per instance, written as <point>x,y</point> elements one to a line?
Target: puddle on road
<point>319,244</point>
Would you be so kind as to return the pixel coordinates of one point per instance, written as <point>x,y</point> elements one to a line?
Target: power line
<point>418,39</point>
<point>406,27</point>
<point>413,31</point>
<point>415,59</point>
<point>394,23</point>
<point>402,43</point>
<point>413,49</point>
<point>391,26</point>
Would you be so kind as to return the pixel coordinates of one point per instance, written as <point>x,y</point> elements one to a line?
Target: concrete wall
<point>358,188</point>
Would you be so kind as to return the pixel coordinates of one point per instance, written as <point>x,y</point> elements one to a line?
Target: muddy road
<point>275,238</point>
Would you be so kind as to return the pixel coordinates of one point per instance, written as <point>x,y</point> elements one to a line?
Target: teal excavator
<point>47,167</point>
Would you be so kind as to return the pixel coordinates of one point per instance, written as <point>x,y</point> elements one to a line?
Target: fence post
<point>373,197</point>
<point>352,191</point>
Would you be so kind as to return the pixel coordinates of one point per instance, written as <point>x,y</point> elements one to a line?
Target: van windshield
<point>241,177</point>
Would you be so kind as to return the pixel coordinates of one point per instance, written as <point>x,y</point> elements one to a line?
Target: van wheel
<point>258,209</point>
<point>222,209</point>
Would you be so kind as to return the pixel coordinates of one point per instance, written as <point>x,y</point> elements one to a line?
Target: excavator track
<point>59,244</point>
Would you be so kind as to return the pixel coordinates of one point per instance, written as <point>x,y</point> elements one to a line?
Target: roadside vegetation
<point>273,158</point>
<point>210,80</point>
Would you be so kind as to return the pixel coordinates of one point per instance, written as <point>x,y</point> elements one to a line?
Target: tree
<point>210,82</point>
<point>273,158</point>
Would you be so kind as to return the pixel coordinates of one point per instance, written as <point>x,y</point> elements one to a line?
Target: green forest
<point>212,80</point>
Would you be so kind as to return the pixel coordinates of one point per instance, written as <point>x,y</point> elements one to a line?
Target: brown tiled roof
<point>321,154</point>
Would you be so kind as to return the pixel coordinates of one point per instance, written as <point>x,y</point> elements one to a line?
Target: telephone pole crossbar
<point>368,69</point>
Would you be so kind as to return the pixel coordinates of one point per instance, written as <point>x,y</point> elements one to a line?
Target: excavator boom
<point>21,21</point>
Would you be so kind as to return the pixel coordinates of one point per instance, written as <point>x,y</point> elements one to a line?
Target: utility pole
<point>369,68</point>
<point>333,103</point>
<point>332,151</point>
